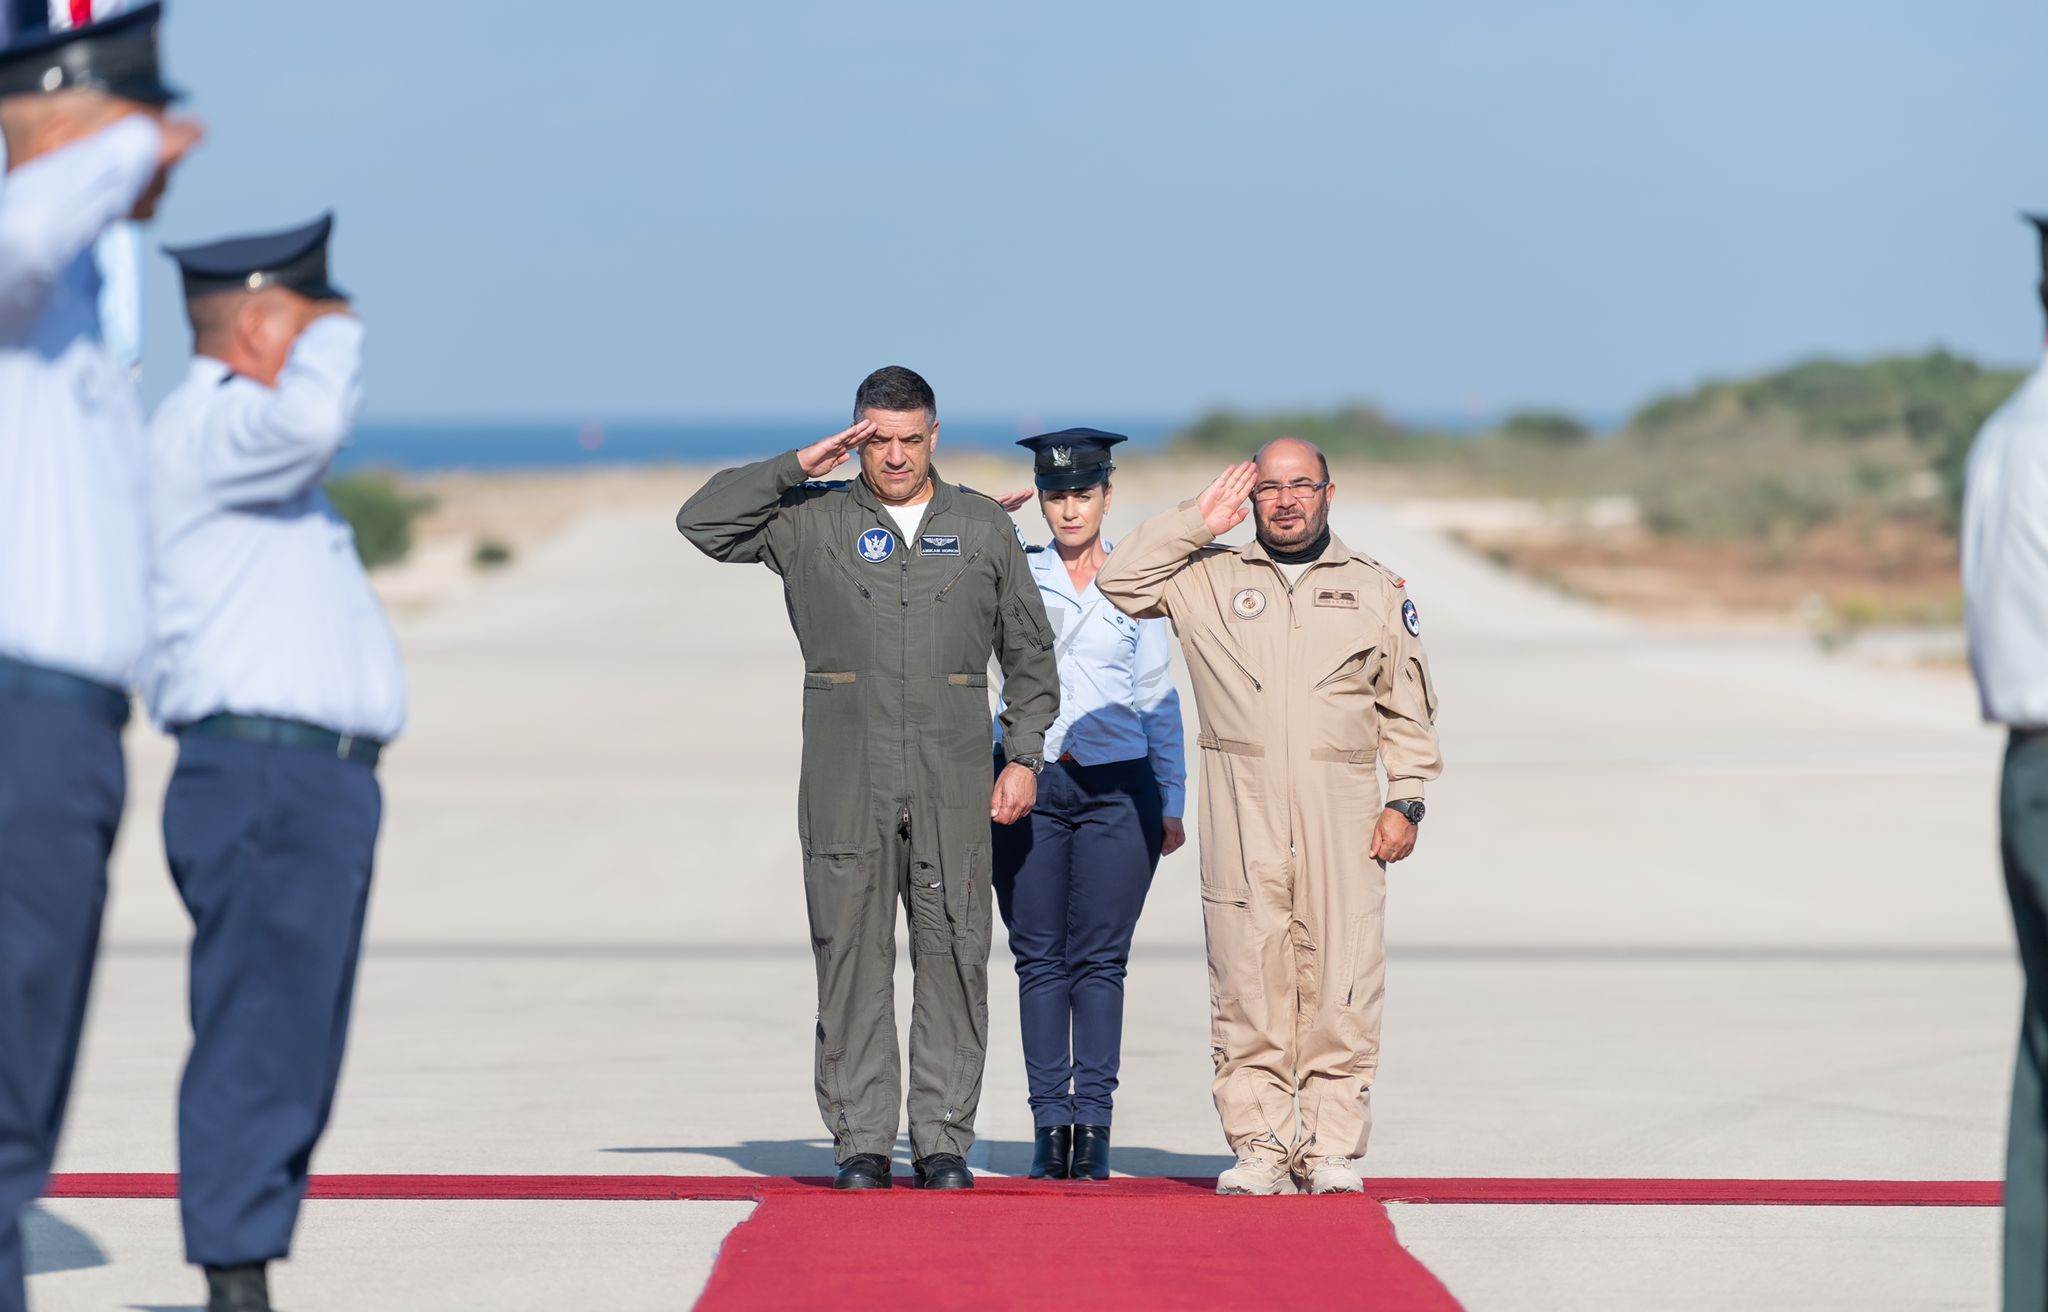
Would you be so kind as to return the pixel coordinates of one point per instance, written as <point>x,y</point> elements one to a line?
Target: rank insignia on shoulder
<point>939,544</point>
<point>1345,598</point>
<point>1412,618</point>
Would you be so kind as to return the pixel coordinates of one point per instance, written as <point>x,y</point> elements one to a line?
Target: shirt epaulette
<point>826,485</point>
<point>1030,550</point>
<point>1392,577</point>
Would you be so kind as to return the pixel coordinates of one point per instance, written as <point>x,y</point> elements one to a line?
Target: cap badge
<point>1062,457</point>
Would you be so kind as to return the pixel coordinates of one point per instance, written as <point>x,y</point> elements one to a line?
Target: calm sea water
<point>425,447</point>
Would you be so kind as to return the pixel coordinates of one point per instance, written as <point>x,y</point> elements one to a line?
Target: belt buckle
<point>342,746</point>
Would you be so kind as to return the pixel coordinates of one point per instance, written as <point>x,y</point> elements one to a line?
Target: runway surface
<point>1687,908</point>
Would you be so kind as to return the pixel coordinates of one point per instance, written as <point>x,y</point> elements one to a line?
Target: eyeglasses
<point>1300,489</point>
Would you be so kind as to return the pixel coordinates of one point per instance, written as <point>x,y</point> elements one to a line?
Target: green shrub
<point>1545,428</point>
<point>490,554</point>
<point>378,507</point>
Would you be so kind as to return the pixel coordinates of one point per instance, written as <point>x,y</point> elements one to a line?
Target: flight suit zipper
<point>903,699</point>
<point>832,555</point>
<point>959,574</point>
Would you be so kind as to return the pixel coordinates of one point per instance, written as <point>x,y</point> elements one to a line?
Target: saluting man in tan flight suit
<point>1308,668</point>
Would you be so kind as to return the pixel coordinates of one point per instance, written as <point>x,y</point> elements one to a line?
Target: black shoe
<point>237,1289</point>
<point>1049,1159</point>
<point>942,1171</point>
<point>863,1171</point>
<point>1091,1153</point>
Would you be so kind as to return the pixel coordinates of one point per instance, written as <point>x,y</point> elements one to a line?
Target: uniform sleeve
<point>1139,576</point>
<point>1158,705</point>
<point>1406,701</point>
<point>742,515</point>
<point>1031,682</point>
<point>54,207</point>
<point>273,443</point>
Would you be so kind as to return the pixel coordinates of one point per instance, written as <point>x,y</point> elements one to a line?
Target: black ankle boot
<point>863,1171</point>
<point>1091,1153</point>
<point>237,1289</point>
<point>1049,1159</point>
<point>943,1171</point>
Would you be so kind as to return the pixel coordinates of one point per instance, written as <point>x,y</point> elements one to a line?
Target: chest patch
<point>1343,598</point>
<point>1412,618</point>
<point>876,545</point>
<point>1248,604</point>
<point>939,544</point>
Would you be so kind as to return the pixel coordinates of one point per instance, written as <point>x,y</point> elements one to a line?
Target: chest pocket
<point>1123,625</point>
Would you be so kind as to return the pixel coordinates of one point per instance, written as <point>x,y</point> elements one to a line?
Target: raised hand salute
<point>822,457</point>
<point>1226,502</point>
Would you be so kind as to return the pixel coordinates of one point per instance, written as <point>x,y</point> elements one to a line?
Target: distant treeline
<point>1774,455</point>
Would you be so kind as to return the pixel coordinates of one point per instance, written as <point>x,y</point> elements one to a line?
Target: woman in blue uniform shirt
<point>1071,877</point>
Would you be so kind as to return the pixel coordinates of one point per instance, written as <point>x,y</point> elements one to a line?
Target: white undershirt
<point>908,518</point>
<point>1293,573</point>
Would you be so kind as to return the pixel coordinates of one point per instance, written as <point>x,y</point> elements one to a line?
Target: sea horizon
<point>443,445</point>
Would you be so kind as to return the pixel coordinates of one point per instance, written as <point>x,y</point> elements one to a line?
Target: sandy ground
<point>1685,905</point>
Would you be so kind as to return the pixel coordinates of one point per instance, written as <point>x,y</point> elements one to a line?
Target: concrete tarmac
<point>1686,904</point>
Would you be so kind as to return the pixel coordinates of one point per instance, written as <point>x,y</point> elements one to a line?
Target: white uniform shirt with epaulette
<point>2005,557</point>
<point>1117,699</point>
<point>262,606</point>
<point>74,562</point>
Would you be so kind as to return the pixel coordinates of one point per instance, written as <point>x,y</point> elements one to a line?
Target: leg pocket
<point>1227,929</point>
<point>931,924</point>
<point>833,884</point>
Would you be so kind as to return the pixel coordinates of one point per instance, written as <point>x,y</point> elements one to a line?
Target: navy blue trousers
<point>271,848</point>
<point>1071,878</point>
<point>61,789</point>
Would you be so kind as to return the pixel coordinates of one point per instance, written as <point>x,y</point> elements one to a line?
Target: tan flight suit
<point>1299,692</point>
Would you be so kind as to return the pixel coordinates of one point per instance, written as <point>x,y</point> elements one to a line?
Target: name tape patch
<point>1340,597</point>
<point>939,544</point>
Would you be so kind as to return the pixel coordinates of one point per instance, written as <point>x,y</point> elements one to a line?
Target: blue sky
<point>676,210</point>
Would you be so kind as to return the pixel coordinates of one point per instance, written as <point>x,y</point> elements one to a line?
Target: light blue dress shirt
<point>262,606</point>
<point>2005,557</point>
<point>1117,699</point>
<point>74,563</point>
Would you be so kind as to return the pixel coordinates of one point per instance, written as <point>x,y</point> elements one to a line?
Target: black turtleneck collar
<point>1313,551</point>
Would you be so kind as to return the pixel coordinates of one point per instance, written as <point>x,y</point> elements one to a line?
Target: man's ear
<point>935,434</point>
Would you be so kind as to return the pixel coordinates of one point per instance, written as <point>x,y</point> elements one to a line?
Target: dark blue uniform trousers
<point>61,789</point>
<point>271,848</point>
<point>1071,878</point>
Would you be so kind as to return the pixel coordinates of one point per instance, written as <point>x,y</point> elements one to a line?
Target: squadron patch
<point>1249,603</point>
<point>1344,598</point>
<point>939,544</point>
<point>876,545</point>
<point>1412,618</point>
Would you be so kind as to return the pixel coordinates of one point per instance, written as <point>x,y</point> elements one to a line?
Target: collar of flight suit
<point>1334,554</point>
<point>944,494</point>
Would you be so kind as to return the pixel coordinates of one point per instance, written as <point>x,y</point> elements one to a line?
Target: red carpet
<point>1442,1189</point>
<point>1019,1247</point>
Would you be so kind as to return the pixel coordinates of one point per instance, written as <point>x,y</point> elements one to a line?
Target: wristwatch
<point>1035,764</point>
<point>1411,811</point>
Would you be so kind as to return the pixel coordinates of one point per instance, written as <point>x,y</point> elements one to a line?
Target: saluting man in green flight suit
<point>899,587</point>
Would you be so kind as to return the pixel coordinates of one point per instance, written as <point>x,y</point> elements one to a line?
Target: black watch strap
<point>1411,811</point>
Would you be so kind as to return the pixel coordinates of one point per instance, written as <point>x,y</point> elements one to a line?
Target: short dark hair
<point>892,387</point>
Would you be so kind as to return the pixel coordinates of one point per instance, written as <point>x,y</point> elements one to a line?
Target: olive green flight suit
<point>894,798</point>
<point>1301,692</point>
